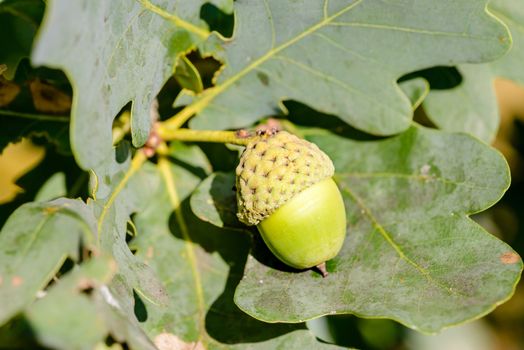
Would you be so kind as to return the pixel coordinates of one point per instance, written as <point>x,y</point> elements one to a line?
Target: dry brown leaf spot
<point>48,98</point>
<point>169,341</point>
<point>150,252</point>
<point>8,91</point>
<point>51,210</point>
<point>17,281</point>
<point>509,258</point>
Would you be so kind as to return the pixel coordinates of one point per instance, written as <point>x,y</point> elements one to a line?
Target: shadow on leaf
<point>18,334</point>
<point>139,308</point>
<point>303,115</point>
<point>439,78</point>
<point>224,321</point>
<point>223,195</point>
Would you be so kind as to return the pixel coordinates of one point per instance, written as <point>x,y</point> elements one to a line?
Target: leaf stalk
<point>203,33</point>
<point>219,136</point>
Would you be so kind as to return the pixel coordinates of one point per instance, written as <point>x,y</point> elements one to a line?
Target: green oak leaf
<point>23,117</point>
<point>119,192</point>
<point>469,107</point>
<point>38,234</point>
<point>122,188</point>
<point>115,52</point>
<point>188,76</point>
<point>510,65</point>
<point>412,254</point>
<point>19,21</point>
<point>214,201</point>
<point>80,312</point>
<point>32,181</point>
<point>341,58</point>
<point>66,318</point>
<point>200,265</point>
<point>121,325</point>
<point>472,106</point>
<point>416,90</point>
<point>53,188</point>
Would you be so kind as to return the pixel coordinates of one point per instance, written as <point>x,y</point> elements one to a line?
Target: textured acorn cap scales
<point>273,169</point>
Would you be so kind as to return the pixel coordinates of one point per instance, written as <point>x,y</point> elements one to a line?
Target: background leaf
<point>416,90</point>
<point>187,75</point>
<point>411,253</point>
<point>28,103</point>
<point>37,234</point>
<point>32,181</point>
<point>66,318</point>
<point>40,109</point>
<point>19,21</point>
<point>510,66</point>
<point>121,326</point>
<point>342,58</point>
<point>79,312</point>
<point>54,128</point>
<point>53,188</point>
<point>471,106</point>
<point>127,55</point>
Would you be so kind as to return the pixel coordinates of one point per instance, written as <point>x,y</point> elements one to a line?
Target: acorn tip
<point>322,268</point>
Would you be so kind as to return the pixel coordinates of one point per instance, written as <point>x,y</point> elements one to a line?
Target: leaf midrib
<point>136,163</point>
<point>417,177</point>
<point>217,90</point>
<point>424,272</point>
<point>174,200</point>
<point>33,238</point>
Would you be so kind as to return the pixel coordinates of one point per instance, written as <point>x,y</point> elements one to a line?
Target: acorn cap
<point>273,169</point>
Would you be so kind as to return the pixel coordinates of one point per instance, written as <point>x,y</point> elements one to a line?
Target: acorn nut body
<point>285,187</point>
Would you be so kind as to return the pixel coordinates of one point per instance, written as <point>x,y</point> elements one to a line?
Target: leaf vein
<point>334,80</point>
<point>169,181</point>
<point>271,23</point>
<point>351,52</point>
<point>425,178</point>
<point>37,117</point>
<point>33,237</point>
<point>119,41</point>
<point>408,30</point>
<point>424,272</point>
<point>174,19</point>
<point>199,105</point>
<point>136,163</point>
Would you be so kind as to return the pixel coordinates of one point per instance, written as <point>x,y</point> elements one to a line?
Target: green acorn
<point>285,187</point>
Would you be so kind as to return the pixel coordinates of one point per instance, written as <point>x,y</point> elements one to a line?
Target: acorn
<point>285,187</point>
